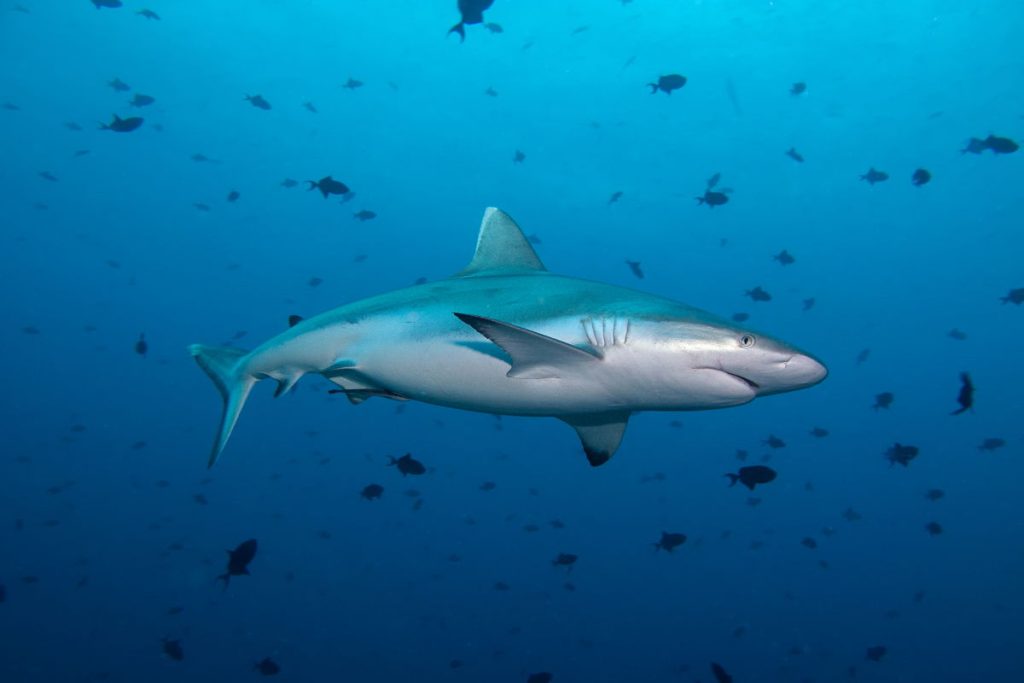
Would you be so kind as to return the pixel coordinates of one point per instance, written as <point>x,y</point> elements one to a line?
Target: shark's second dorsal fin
<point>501,246</point>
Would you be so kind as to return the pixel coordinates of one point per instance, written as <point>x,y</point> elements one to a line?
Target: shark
<point>506,336</point>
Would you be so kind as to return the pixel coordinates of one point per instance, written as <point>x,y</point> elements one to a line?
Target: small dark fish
<point>471,12</point>
<point>992,443</point>
<point>752,475</point>
<point>200,158</point>
<point>873,176</point>
<point>408,465</point>
<point>959,335</point>
<point>491,92</point>
<point>565,560</point>
<point>798,88</point>
<point>201,206</point>
<point>372,491</point>
<point>315,281</point>
<point>455,664</point>
<point>819,432</point>
<point>148,14</point>
<point>933,528</point>
<point>784,258</point>
<point>883,400</point>
<point>3,593</point>
<point>141,100</point>
<point>741,317</point>
<point>935,495</point>
<point>519,157</point>
<point>294,320</point>
<point>46,175</point>
<point>233,196</point>
<point>808,304</point>
<point>141,346</point>
<point>635,267</point>
<point>71,125</point>
<point>238,561</point>
<point>875,653</point>
<point>794,155</point>
<point>488,486</point>
<point>352,84</point>
<point>328,186</point>
<point>540,677</point>
<point>258,102</point>
<point>173,649</point>
<point>670,541</point>
<point>900,454</point>
<point>310,107</point>
<point>81,152</point>
<point>758,294</point>
<point>809,543</point>
<point>713,198</point>
<point>921,177</point>
<point>10,106</point>
<point>1000,145</point>
<point>119,125</point>
<point>111,4</point>
<point>119,85</point>
<point>974,146</point>
<point>667,84</point>
<point>289,182</point>
<point>966,396</point>
<point>494,28</point>
<point>267,667</point>
<point>851,515</point>
<point>364,215</point>
<point>200,499</point>
<point>720,674</point>
<point>863,355</point>
<point>774,442</point>
<point>1014,296</point>
<point>501,586</point>
<point>616,196</point>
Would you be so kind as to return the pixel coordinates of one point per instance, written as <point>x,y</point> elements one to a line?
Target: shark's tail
<point>222,365</point>
<point>733,478</point>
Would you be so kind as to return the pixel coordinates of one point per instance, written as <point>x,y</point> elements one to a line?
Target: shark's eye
<point>748,340</point>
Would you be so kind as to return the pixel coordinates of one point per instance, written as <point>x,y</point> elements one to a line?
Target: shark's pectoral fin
<point>534,355</point>
<point>600,434</point>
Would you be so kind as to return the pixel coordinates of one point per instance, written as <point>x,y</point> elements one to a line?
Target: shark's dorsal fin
<point>533,355</point>
<point>501,245</point>
<point>600,434</point>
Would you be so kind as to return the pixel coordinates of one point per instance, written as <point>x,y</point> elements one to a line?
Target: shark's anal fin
<point>501,245</point>
<point>600,434</point>
<point>534,355</point>
<point>221,365</point>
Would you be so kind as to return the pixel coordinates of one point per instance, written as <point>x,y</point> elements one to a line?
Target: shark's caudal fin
<point>501,245</point>
<point>221,364</point>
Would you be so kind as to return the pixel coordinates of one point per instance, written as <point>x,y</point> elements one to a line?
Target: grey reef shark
<point>507,337</point>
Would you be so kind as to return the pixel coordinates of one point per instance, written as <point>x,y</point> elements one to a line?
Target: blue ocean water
<point>113,532</point>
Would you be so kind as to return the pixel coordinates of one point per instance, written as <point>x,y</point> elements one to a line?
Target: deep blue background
<point>112,532</point>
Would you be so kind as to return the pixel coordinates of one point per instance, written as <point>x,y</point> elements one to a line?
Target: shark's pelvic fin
<point>600,434</point>
<point>501,245</point>
<point>534,355</point>
<point>221,364</point>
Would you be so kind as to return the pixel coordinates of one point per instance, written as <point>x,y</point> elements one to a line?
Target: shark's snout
<point>796,371</point>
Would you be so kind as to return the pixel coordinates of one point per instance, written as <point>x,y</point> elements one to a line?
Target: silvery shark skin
<point>505,336</point>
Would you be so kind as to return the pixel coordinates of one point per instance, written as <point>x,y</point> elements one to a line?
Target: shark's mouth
<point>754,386</point>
